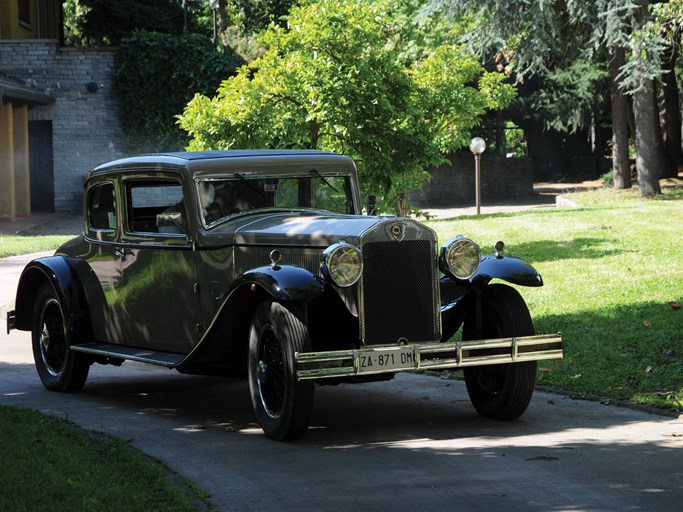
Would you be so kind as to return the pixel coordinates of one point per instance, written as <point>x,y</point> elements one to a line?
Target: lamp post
<point>477,147</point>
<point>214,8</point>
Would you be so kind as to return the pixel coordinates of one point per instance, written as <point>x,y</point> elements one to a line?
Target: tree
<point>156,75</point>
<point>333,79</point>
<point>535,32</point>
<point>256,15</point>
<point>107,22</point>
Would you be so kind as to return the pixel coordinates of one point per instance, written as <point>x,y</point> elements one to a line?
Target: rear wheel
<point>501,391</point>
<point>59,368</point>
<point>282,403</point>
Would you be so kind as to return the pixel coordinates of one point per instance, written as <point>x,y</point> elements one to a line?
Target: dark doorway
<point>41,166</point>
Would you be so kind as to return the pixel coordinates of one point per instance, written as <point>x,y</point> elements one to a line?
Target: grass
<point>12,245</point>
<point>613,286</point>
<point>52,465</point>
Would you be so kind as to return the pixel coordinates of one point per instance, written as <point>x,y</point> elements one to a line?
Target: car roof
<point>190,161</point>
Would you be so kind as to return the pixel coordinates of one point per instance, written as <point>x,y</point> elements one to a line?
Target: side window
<point>156,207</point>
<point>102,207</point>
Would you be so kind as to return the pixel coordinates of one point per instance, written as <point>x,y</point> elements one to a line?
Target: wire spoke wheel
<point>282,404</point>
<point>270,374</point>
<point>59,368</point>
<point>53,347</point>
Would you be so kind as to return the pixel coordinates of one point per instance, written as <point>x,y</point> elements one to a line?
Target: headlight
<point>342,264</point>
<point>459,257</point>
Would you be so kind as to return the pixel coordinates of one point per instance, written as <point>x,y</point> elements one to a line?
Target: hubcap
<point>270,375</point>
<point>53,349</point>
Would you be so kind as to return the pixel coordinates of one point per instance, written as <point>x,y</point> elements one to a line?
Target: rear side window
<point>156,207</point>
<point>102,207</point>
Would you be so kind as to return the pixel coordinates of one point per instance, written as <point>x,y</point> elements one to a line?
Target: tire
<point>59,368</point>
<point>501,391</point>
<point>282,404</point>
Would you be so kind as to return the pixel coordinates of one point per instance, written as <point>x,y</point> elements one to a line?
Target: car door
<point>157,292</point>
<point>101,260</point>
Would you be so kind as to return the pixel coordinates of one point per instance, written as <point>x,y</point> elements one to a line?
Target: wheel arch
<point>57,271</point>
<point>227,337</point>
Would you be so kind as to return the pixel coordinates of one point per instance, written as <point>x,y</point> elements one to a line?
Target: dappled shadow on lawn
<point>620,351</point>
<point>553,250</point>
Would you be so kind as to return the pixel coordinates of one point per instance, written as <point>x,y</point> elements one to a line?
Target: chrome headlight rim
<point>342,264</point>
<point>460,257</point>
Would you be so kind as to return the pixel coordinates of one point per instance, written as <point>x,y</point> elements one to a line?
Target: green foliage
<point>106,22</point>
<point>567,97</point>
<point>515,141</point>
<point>255,15</point>
<point>333,79</point>
<point>156,75</point>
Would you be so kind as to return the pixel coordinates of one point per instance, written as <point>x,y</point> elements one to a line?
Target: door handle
<point>122,253</point>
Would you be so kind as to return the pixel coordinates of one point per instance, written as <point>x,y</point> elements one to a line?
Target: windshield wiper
<point>324,180</point>
<point>249,183</point>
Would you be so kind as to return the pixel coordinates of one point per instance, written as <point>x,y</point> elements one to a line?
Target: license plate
<point>379,360</point>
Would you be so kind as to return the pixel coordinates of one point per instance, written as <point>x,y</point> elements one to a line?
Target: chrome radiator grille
<point>399,292</point>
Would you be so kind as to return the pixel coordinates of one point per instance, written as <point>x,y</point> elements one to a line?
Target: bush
<point>157,75</point>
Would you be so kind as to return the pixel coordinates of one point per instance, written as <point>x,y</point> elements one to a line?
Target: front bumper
<point>11,321</point>
<point>434,356</point>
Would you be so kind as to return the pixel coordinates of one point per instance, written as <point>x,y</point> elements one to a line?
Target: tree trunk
<point>222,20</point>
<point>648,133</point>
<point>621,168</point>
<point>671,122</point>
<point>648,145</point>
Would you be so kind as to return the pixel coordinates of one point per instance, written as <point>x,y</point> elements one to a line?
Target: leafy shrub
<point>157,75</point>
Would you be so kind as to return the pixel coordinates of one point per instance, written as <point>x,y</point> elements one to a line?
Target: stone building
<point>59,116</point>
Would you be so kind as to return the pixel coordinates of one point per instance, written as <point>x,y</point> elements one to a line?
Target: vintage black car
<point>261,263</point>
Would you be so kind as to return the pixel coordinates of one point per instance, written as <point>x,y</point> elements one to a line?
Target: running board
<point>167,359</point>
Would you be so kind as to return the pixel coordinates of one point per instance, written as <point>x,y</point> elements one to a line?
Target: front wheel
<point>501,391</point>
<point>59,368</point>
<point>282,403</point>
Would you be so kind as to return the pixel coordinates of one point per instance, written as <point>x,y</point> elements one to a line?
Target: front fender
<point>282,282</point>
<point>60,274</point>
<point>512,270</point>
<point>459,296</point>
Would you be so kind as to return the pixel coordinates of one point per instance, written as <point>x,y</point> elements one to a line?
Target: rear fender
<point>60,274</point>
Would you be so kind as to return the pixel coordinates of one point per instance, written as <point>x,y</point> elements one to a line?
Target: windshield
<point>222,197</point>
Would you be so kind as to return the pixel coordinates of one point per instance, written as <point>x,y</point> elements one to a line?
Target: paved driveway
<point>414,443</point>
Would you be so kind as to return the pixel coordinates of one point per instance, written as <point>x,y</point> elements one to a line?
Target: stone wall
<point>85,122</point>
<point>453,185</point>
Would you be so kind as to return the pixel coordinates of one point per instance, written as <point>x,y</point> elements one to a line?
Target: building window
<point>24,9</point>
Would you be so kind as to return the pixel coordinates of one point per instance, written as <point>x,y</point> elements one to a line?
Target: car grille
<point>399,287</point>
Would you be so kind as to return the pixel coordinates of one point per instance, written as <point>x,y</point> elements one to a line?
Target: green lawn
<point>51,465</point>
<point>613,286</point>
<point>11,245</point>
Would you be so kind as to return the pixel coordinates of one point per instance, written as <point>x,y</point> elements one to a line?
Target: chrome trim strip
<point>345,363</point>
